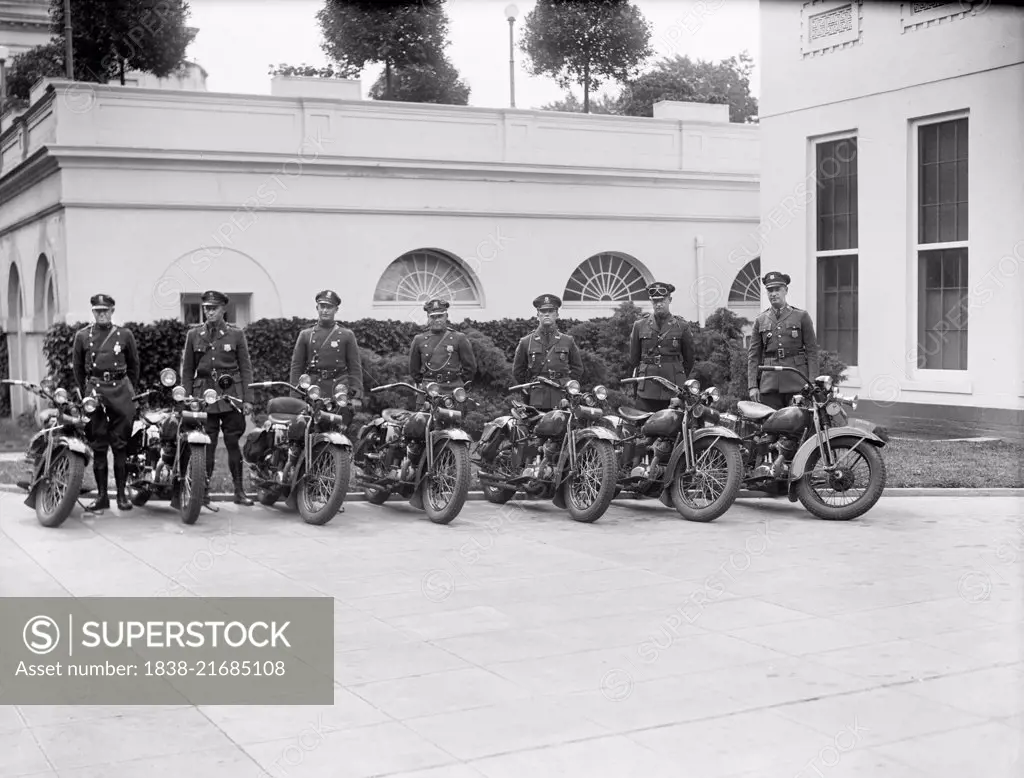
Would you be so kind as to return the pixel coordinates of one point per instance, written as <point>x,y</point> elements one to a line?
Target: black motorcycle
<point>680,454</point>
<point>302,454</point>
<point>57,454</point>
<point>560,455</point>
<point>421,455</point>
<point>811,451</point>
<point>168,449</point>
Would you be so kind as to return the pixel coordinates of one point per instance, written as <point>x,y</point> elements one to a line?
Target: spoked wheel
<point>445,489</point>
<point>193,484</point>
<point>591,486</point>
<point>851,489</point>
<point>497,494</point>
<point>59,490</point>
<point>323,487</point>
<point>707,492</point>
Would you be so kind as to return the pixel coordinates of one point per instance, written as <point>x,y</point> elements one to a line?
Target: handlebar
<point>265,384</point>
<point>398,383</point>
<point>138,397</point>
<point>784,368</point>
<point>657,379</point>
<point>538,381</point>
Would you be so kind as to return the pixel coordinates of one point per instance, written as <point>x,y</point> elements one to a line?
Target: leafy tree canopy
<point>437,83</point>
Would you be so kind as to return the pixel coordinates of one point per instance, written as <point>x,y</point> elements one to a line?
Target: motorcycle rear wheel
<point>193,484</point>
<point>813,502</point>
<point>728,454</point>
<point>453,457</point>
<point>59,490</point>
<point>598,457</point>
<point>331,465</point>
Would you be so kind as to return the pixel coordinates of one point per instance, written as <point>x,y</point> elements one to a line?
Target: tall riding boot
<point>121,480</point>
<point>236,475</point>
<point>99,469</point>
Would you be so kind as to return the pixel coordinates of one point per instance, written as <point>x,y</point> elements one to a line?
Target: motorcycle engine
<point>662,450</point>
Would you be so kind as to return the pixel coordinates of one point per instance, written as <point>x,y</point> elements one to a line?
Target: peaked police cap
<point>775,278</point>
<point>101,301</point>
<point>215,298</point>
<point>328,296</point>
<point>547,301</point>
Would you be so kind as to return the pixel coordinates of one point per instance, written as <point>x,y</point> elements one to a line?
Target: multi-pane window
<point>237,311</point>
<point>836,227</point>
<point>942,250</point>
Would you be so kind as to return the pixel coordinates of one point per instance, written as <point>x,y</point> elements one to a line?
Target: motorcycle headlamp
<point>460,395</point>
<point>573,387</point>
<point>90,404</point>
<point>313,392</point>
<point>712,394</point>
<point>833,408</point>
<point>60,396</point>
<point>601,392</point>
<point>448,402</point>
<point>824,381</point>
<point>210,396</point>
<point>341,394</point>
<point>693,387</point>
<point>168,377</point>
<point>305,381</point>
<point>195,405</point>
<point>178,393</point>
<point>433,389</point>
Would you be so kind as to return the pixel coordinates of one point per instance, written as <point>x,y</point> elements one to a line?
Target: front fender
<point>369,427</point>
<point>716,432</point>
<point>854,434</point>
<point>198,437</point>
<point>601,433</point>
<point>78,446</point>
<point>334,438</point>
<point>452,434</point>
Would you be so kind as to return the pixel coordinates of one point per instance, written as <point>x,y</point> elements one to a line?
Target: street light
<point>511,12</point>
<point>5,53</point>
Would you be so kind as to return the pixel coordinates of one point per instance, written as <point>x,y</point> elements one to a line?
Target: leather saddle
<point>633,415</point>
<point>397,416</point>
<point>753,410</point>
<point>284,410</point>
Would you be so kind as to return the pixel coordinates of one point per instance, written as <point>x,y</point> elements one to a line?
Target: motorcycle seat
<point>632,414</point>
<point>285,409</point>
<point>155,417</point>
<point>528,411</point>
<point>753,410</point>
<point>395,415</point>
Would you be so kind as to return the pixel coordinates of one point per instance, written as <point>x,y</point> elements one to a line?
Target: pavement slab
<point>516,642</point>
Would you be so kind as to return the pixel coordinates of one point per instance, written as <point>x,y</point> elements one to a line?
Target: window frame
<point>238,303</point>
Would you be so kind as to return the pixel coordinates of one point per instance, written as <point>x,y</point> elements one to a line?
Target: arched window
<point>606,278</point>
<point>45,302</point>
<point>14,307</point>
<point>747,286</point>
<point>426,274</point>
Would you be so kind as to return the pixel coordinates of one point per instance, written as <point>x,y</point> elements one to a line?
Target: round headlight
<point>305,381</point>
<point>713,394</point>
<point>210,396</point>
<point>195,406</point>
<point>168,377</point>
<point>433,389</point>
<point>60,396</point>
<point>824,381</point>
<point>90,404</point>
<point>460,395</point>
<point>692,386</point>
<point>600,392</point>
<point>313,392</point>
<point>573,387</point>
<point>832,408</point>
<point>178,394</point>
<point>340,393</point>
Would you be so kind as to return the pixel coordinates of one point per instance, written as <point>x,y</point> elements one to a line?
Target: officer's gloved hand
<point>755,395</point>
<point>247,408</point>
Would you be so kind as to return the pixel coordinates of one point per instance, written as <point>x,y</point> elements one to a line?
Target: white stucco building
<point>892,191</point>
<point>155,195</point>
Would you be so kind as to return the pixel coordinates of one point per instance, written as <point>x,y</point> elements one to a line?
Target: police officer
<point>660,345</point>
<point>213,350</point>
<point>106,361</point>
<point>547,352</point>
<point>441,354</point>
<point>327,352</point>
<point>782,335</point>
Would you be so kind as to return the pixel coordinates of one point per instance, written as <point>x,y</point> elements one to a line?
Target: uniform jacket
<point>555,356</point>
<point>220,349</point>
<point>673,343</point>
<point>333,349</point>
<point>792,331</point>
<point>97,350</point>
<point>446,357</point>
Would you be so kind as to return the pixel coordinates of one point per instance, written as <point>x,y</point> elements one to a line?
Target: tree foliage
<point>45,61</point>
<point>398,33</point>
<point>433,83</point>
<point>571,104</point>
<point>680,78</point>
<point>312,71</point>
<point>112,37</point>
<point>585,42</point>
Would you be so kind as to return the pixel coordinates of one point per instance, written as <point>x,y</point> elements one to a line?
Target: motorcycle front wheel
<point>193,484</point>
<point>60,488</point>
<point>445,489</point>
<point>711,489</point>
<point>591,486</point>
<point>848,493</point>
<point>324,486</point>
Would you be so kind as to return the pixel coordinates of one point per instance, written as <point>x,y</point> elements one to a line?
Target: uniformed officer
<point>328,352</point>
<point>442,354</point>
<point>547,352</point>
<point>660,344</point>
<point>213,350</point>
<point>782,335</point>
<point>106,361</point>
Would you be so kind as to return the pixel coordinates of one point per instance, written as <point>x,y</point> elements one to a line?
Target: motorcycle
<point>58,453</point>
<point>422,455</point>
<point>795,451</point>
<point>301,454</point>
<point>168,448</point>
<point>687,459</point>
<point>559,455</point>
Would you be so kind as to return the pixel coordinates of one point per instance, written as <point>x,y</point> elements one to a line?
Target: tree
<point>680,78</point>
<point>571,104</point>
<point>311,71</point>
<point>45,61</point>
<point>398,33</point>
<point>585,42</point>
<point>112,37</point>
<point>438,83</point>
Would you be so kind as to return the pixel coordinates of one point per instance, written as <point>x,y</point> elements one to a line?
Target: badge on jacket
<point>334,344</point>
<point>117,348</point>
<point>448,348</point>
<point>796,333</point>
<point>227,347</point>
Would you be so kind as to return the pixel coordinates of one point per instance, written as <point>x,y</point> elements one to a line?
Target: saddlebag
<point>256,445</point>
<point>490,442</point>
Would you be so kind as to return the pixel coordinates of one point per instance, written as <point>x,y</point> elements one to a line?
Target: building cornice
<point>30,172</point>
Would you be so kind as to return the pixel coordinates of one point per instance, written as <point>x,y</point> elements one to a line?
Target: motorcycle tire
<point>605,467</point>
<point>193,484</point>
<point>876,485</point>
<point>340,468</point>
<point>52,510</point>
<point>733,480</point>
<point>444,513</point>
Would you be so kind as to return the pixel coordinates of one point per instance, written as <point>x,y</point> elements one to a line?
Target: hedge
<point>384,347</point>
<point>5,372</point>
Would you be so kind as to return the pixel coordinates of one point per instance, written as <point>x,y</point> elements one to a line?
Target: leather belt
<point>215,374</point>
<point>658,359</point>
<point>328,373</point>
<point>109,375</point>
<point>554,375</point>
<point>442,376</point>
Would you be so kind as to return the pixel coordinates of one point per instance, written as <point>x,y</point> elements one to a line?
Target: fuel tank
<point>663,424</point>
<point>787,421</point>
<point>552,424</point>
<point>415,427</point>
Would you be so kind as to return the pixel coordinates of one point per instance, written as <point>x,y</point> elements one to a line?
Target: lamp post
<point>69,53</point>
<point>4,54</point>
<point>511,12</point>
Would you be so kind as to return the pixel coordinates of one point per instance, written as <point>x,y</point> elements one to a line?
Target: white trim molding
<point>914,16</point>
<point>828,26</point>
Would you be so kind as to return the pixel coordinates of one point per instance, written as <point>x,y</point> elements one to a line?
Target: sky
<point>239,40</point>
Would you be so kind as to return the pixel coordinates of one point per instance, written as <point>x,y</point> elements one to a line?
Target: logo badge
<point>227,347</point>
<point>41,635</point>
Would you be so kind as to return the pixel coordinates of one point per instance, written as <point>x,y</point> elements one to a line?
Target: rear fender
<point>371,426</point>
<point>853,435</point>
<point>334,438</point>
